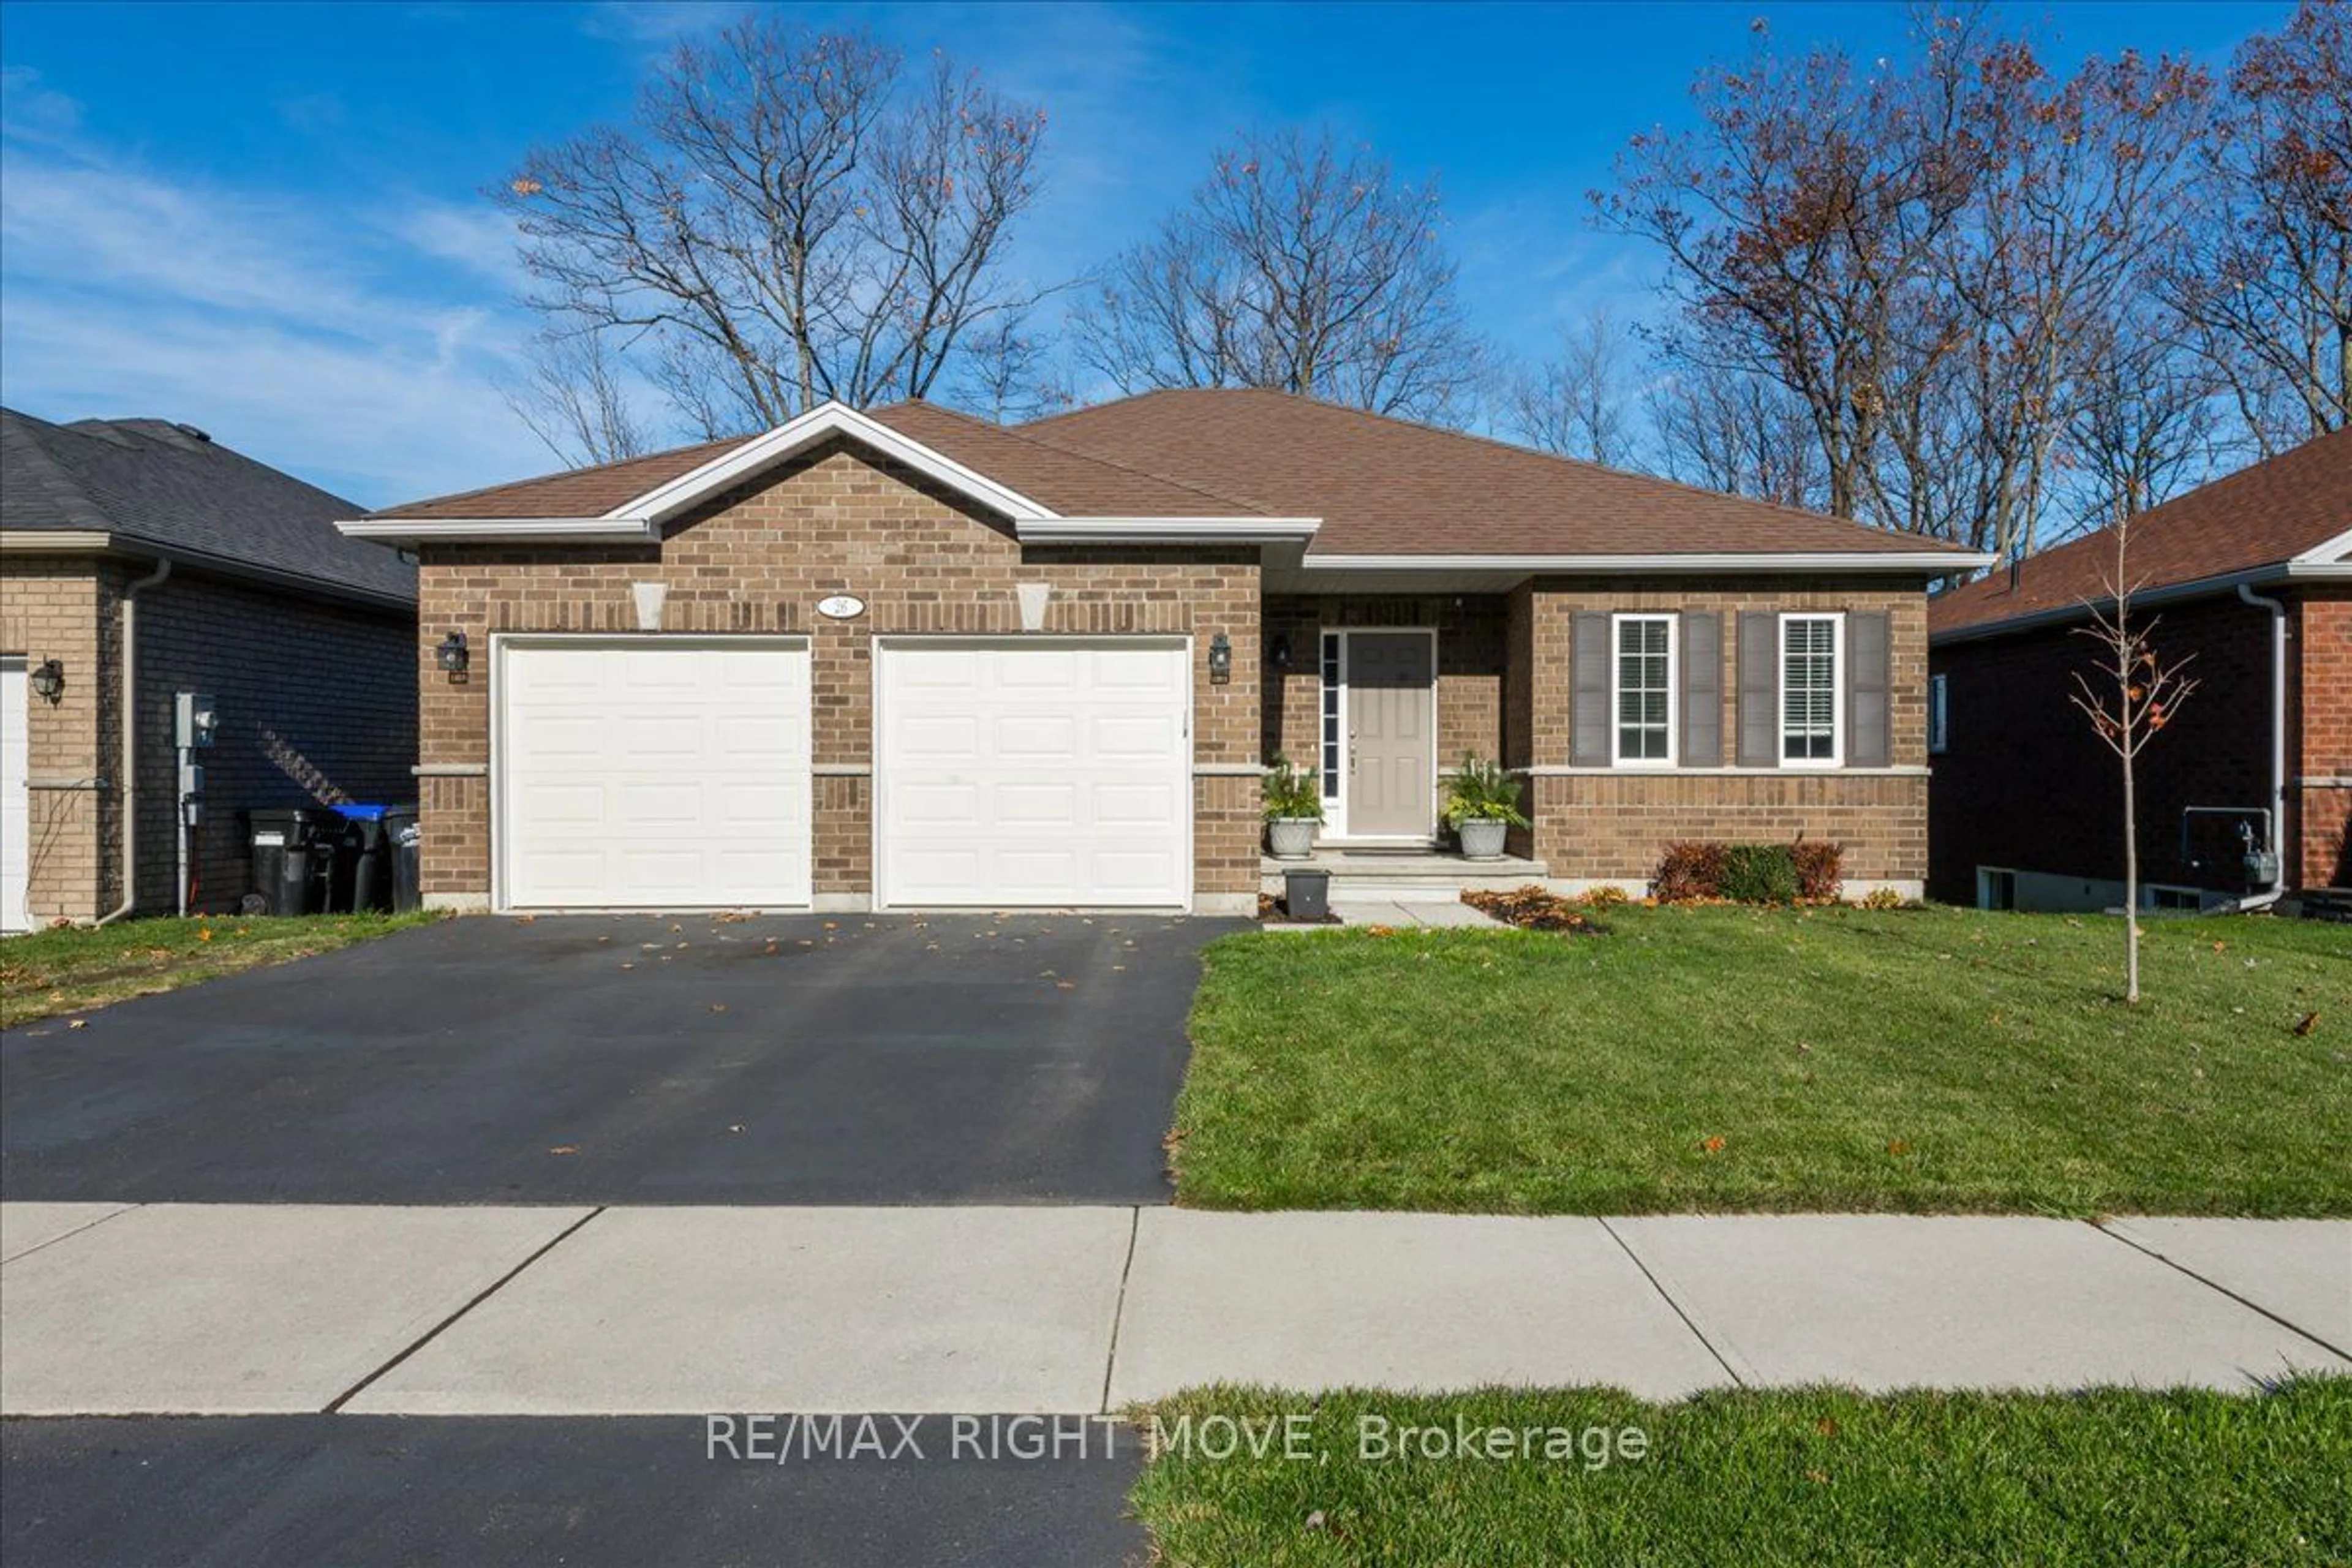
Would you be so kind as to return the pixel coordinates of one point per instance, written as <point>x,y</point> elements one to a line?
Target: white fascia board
<point>1167,530</point>
<point>415,530</point>
<point>1939,561</point>
<point>822,423</point>
<point>2327,552</point>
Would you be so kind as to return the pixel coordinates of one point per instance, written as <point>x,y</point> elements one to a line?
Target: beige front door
<point>1392,767</point>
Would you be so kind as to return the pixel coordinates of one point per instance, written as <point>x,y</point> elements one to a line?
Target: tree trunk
<point>2131,885</point>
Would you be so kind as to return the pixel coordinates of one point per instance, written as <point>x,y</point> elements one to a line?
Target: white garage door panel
<point>664,773</point>
<point>1034,773</point>
<point>15,795</point>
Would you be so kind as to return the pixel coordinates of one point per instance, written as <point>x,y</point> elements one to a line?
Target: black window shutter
<point>1867,682</point>
<point>1759,690</point>
<point>1702,695</point>
<point>1590,720</point>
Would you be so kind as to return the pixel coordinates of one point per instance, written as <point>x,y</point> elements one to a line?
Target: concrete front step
<point>1402,874</point>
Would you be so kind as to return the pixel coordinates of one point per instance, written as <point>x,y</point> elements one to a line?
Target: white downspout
<point>2278,740</point>
<point>129,760</point>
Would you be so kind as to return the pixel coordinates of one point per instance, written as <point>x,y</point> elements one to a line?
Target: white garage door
<point>653,772</point>
<point>1034,773</point>
<point>16,798</point>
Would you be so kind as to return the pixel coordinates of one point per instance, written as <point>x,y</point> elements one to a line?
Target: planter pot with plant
<point>1293,809</point>
<point>1482,806</point>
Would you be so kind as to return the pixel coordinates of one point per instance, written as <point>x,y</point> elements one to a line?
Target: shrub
<point>1760,874</point>
<point>1882,899</point>
<point>1819,871</point>
<point>1690,871</point>
<point>1292,793</point>
<point>1482,792</point>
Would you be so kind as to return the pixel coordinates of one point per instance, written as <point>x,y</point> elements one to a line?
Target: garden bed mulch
<point>1533,909</point>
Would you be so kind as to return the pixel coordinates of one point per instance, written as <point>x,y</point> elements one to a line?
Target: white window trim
<point>1836,759</point>
<point>1939,715</point>
<point>1617,757</point>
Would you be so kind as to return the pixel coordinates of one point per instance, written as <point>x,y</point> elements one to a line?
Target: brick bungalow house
<point>2252,576</point>
<point>142,547</point>
<point>909,658</point>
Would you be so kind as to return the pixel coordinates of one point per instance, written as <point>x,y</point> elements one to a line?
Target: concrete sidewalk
<point>229,1309</point>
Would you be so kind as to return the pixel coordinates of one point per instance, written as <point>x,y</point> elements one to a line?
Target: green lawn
<point>1919,1060</point>
<point>47,973</point>
<point>1794,1479</point>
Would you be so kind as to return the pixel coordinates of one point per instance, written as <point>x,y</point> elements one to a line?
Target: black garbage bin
<point>402,837</point>
<point>281,840</point>
<point>362,864</point>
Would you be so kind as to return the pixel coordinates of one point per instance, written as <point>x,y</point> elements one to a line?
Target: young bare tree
<point>787,220</point>
<point>574,397</point>
<point>2267,286</point>
<point>1577,404</point>
<point>1297,266</point>
<point>2132,698</point>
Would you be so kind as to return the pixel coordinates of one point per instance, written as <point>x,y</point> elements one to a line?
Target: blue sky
<point>264,219</point>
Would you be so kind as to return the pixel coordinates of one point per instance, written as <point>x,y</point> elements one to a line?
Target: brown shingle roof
<point>1069,482</point>
<point>1390,487</point>
<point>2258,517</point>
<point>1382,486</point>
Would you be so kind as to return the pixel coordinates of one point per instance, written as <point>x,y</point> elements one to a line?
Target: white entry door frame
<point>1338,762</point>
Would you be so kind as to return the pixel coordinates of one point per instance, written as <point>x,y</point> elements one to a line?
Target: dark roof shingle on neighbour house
<point>1382,486</point>
<point>2259,517</point>
<point>167,487</point>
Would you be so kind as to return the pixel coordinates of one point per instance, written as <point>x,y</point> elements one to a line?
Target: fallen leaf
<point>1827,1427</point>
<point>2310,1022</point>
<point>565,1149</point>
<point>1712,1145</point>
<point>1895,1146</point>
<point>718,1006</point>
<point>78,1023</point>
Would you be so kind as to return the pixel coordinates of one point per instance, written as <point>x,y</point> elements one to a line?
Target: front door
<point>1391,768</point>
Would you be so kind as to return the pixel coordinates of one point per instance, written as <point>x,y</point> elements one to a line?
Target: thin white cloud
<point>357,346</point>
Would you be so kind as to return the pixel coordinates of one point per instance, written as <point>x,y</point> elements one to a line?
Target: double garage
<point>674,772</point>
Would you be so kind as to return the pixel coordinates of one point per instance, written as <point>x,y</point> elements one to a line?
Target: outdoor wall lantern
<point>1221,660</point>
<point>50,680</point>
<point>1279,654</point>
<point>453,656</point>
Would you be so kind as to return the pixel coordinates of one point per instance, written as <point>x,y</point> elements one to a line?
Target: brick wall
<point>2322,761</point>
<point>2026,785</point>
<point>1614,825</point>
<point>1472,653</point>
<point>314,698</point>
<point>1506,683</point>
<point>317,704</point>
<point>835,521</point>
<point>60,608</point>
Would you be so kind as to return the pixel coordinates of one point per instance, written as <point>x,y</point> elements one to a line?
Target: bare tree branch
<point>784,222</point>
<point>1298,267</point>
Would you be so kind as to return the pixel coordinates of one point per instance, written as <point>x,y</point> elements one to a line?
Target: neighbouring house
<point>141,554</point>
<point>910,659</point>
<point>2251,579</point>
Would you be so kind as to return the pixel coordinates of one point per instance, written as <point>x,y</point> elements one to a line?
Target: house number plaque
<point>840,606</point>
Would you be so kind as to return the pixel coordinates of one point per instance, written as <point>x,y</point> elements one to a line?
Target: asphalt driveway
<point>688,1059</point>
